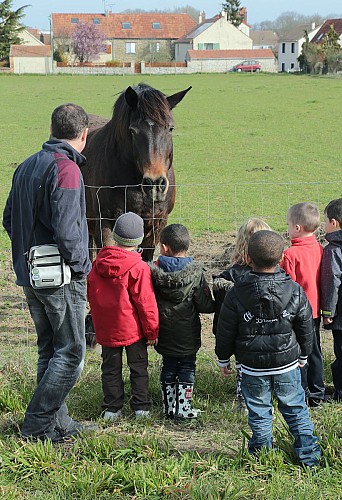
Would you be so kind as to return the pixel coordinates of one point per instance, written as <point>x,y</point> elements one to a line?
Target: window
<point>292,65</point>
<point>283,67</point>
<point>130,47</point>
<point>208,46</point>
<point>156,26</point>
<point>126,26</point>
<point>292,48</point>
<point>74,20</point>
<point>283,45</point>
<point>96,20</point>
<point>155,47</point>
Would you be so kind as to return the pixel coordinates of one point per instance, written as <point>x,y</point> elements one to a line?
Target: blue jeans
<point>287,387</point>
<point>312,372</point>
<point>178,368</point>
<point>59,318</point>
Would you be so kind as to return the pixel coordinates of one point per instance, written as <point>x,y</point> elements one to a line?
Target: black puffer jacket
<point>181,296</point>
<point>266,321</point>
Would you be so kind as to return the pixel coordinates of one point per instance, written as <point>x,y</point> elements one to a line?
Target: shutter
<point>200,46</point>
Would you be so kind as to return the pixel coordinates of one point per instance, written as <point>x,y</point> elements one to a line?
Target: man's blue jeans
<point>287,387</point>
<point>59,318</point>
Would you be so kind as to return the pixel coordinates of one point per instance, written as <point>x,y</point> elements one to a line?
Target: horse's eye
<point>133,130</point>
<point>172,128</point>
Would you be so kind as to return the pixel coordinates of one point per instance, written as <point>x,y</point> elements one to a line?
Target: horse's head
<point>150,127</point>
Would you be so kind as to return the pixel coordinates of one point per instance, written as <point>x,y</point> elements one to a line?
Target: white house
<point>214,34</point>
<point>290,46</point>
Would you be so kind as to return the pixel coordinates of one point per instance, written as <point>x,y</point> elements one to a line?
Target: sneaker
<point>111,416</point>
<point>142,413</point>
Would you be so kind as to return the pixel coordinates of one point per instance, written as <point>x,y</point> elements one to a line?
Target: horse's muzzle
<point>155,189</point>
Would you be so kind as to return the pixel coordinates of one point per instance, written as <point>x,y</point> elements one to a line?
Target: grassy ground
<point>244,144</point>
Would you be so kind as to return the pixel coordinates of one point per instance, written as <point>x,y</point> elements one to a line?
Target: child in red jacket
<point>125,314</point>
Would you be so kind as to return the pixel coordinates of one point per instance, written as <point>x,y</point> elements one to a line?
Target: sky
<point>38,11</point>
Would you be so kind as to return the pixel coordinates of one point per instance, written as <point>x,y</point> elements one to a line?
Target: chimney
<point>313,25</point>
<point>201,17</point>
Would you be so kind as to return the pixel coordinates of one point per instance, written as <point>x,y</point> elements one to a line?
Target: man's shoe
<point>111,416</point>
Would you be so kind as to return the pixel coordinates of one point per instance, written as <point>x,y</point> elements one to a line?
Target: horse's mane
<point>152,104</point>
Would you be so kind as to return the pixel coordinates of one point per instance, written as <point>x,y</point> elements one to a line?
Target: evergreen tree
<point>10,27</point>
<point>232,9</point>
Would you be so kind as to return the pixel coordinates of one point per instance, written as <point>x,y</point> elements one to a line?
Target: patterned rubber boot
<point>184,409</point>
<point>169,399</point>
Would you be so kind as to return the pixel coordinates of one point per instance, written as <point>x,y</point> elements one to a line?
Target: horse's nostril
<point>147,184</point>
<point>161,184</point>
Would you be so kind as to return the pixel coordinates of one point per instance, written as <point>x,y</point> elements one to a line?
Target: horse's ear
<point>131,98</point>
<point>176,98</point>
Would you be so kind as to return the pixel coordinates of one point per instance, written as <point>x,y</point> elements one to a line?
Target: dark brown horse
<point>130,165</point>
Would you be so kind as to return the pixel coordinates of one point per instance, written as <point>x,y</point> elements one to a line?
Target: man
<point>58,313</point>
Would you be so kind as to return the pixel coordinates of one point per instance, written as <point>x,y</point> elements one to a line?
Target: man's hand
<point>328,321</point>
<point>226,371</point>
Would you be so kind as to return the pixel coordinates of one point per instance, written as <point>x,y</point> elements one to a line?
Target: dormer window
<point>156,26</point>
<point>74,20</point>
<point>126,26</point>
<point>96,20</point>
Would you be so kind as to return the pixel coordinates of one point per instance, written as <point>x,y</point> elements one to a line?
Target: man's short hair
<point>176,237</point>
<point>305,214</point>
<point>334,210</point>
<point>68,121</point>
<point>266,248</point>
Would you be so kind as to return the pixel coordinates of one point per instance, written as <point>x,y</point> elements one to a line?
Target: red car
<point>250,66</point>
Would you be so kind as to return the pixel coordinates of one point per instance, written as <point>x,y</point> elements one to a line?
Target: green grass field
<point>244,145</point>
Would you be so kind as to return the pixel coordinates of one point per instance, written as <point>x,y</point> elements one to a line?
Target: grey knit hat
<point>129,230</point>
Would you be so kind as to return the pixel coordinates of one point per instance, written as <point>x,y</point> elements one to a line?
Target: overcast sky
<point>37,14</point>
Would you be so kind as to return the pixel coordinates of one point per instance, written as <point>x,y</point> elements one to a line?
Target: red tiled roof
<point>325,28</point>
<point>30,51</point>
<point>231,54</point>
<point>173,26</point>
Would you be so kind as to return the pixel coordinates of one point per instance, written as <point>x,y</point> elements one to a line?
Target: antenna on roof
<point>105,7</point>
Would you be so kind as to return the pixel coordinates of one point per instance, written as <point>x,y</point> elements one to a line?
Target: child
<point>182,293</point>
<point>227,278</point>
<point>266,321</point>
<point>302,261</point>
<point>125,314</point>
<point>331,276</point>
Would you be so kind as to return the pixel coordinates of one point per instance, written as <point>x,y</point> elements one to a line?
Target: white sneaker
<point>142,413</point>
<point>111,416</point>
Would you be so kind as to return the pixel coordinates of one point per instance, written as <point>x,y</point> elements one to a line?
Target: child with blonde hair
<point>225,281</point>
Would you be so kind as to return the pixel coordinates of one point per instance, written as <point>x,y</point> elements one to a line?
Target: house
<point>31,59</point>
<point>220,61</point>
<point>325,28</point>
<point>214,34</point>
<point>264,39</point>
<point>290,46</point>
<point>32,56</point>
<point>128,36</point>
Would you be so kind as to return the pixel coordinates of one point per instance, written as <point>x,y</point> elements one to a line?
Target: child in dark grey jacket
<point>331,279</point>
<point>182,293</point>
<point>266,321</point>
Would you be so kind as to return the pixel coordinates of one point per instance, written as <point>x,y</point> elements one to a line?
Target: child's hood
<point>112,262</point>
<point>264,295</point>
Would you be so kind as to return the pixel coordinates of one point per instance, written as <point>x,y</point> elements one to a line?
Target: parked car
<point>248,66</point>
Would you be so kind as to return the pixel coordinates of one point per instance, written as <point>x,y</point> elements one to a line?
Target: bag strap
<point>39,201</point>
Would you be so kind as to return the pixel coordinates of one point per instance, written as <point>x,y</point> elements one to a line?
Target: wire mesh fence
<point>211,212</point>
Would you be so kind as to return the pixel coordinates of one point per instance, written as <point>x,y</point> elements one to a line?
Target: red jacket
<point>121,297</point>
<point>302,261</point>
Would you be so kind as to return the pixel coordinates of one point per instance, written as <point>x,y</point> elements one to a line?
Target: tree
<point>192,11</point>
<point>87,42</point>
<point>232,9</point>
<point>332,50</point>
<point>9,27</point>
<point>152,53</point>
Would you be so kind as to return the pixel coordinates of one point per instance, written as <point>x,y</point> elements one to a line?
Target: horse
<point>130,165</point>
<point>130,168</point>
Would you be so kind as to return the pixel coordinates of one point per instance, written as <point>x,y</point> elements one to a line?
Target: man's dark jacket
<point>62,216</point>
<point>181,296</point>
<point>266,321</point>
